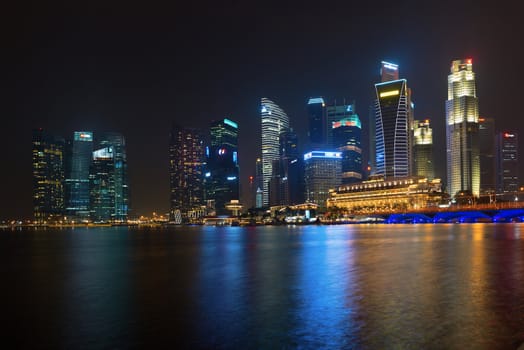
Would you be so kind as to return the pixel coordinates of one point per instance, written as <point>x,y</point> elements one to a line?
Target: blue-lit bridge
<point>469,215</point>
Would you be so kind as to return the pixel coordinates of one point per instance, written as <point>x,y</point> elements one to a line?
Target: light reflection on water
<point>351,286</point>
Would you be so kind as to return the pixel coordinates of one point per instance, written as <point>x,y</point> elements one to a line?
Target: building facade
<point>321,174</point>
<point>48,176</point>
<point>423,149</point>
<point>274,121</point>
<point>380,195</point>
<point>334,113</point>
<point>102,185</point>
<point>507,162</point>
<point>186,161</point>
<point>77,196</point>
<point>347,140</point>
<point>222,182</point>
<point>462,130</point>
<point>487,147</point>
<point>393,142</point>
<point>316,122</point>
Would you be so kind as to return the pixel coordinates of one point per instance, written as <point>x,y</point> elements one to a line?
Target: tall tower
<point>423,149</point>
<point>487,155</point>
<point>316,122</point>
<point>347,137</point>
<point>48,176</point>
<point>507,162</point>
<point>109,189</point>
<point>222,175</point>
<point>77,176</point>
<point>118,143</point>
<point>462,130</point>
<point>186,158</point>
<point>334,113</point>
<point>274,122</point>
<point>392,129</point>
<point>102,184</point>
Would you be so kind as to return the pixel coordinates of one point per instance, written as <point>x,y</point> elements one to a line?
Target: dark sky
<point>135,67</point>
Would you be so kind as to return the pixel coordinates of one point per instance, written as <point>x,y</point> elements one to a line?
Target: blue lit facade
<point>221,176</point>
<point>321,174</point>
<point>77,181</point>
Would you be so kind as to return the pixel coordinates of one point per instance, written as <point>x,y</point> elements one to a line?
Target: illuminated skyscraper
<point>347,138</point>
<point>274,122</point>
<point>48,176</point>
<point>488,167</point>
<point>462,130</point>
<point>102,185</point>
<point>186,158</point>
<point>117,142</point>
<point>507,162</point>
<point>393,139</point>
<point>321,173</point>
<point>316,122</point>
<point>109,191</point>
<point>334,113</point>
<point>221,175</point>
<point>423,149</point>
<point>77,175</point>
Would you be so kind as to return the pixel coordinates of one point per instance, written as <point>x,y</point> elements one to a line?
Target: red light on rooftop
<point>508,135</point>
<point>469,60</point>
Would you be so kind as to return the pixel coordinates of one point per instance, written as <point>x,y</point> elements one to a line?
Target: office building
<point>462,130</point>
<point>121,192</point>
<point>507,162</point>
<point>321,174</point>
<point>393,140</point>
<point>102,185</point>
<point>423,149</point>
<point>347,140</point>
<point>222,171</point>
<point>186,158</point>
<point>48,176</point>
<point>274,121</point>
<point>316,122</point>
<point>78,160</point>
<point>488,167</point>
<point>334,113</point>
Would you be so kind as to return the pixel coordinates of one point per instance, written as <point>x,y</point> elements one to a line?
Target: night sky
<point>135,67</point>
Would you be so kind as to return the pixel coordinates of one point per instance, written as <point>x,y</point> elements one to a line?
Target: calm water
<point>357,286</point>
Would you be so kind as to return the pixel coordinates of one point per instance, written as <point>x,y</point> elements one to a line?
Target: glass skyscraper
<point>392,129</point>
<point>186,161</point>
<point>102,185</point>
<point>321,174</point>
<point>336,112</point>
<point>109,191</point>
<point>48,176</point>
<point>316,122</point>
<point>274,121</point>
<point>222,171</point>
<point>77,177</point>
<point>462,130</point>
<point>347,138</point>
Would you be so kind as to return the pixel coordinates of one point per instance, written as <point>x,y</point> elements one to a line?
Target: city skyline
<point>100,79</point>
